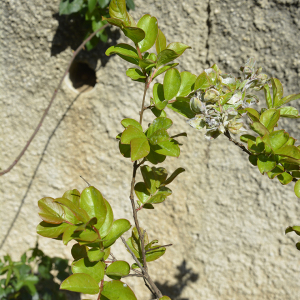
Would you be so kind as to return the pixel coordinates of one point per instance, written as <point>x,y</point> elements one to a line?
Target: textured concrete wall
<point>225,220</point>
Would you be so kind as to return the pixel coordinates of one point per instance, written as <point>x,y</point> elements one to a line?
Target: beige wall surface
<point>225,220</point>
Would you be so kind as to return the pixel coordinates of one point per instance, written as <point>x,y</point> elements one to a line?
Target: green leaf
<point>95,254</point>
<point>289,98</point>
<point>275,172</point>
<point>285,178</point>
<point>87,234</point>
<point>158,113</point>
<point>265,163</point>
<point>146,64</point>
<point>127,122</point>
<point>164,69</point>
<point>153,177</point>
<point>159,136</point>
<point>79,251</point>
<point>169,148</point>
<point>179,48</point>
<point>269,118</point>
<point>139,148</point>
<point>117,10</point>
<point>259,128</point>
<point>268,96</point>
<point>160,195</point>
<point>202,82</point>
<point>118,228</point>
<point>117,270</point>
<point>91,5</point>
<point>277,91</point>
<point>136,74</point>
<point>187,83</point>
<point>72,195</point>
<point>130,4</point>
<point>67,236</point>
<point>134,33</point>
<point>149,25</point>
<point>155,254</point>
<point>276,139</point>
<point>161,42</point>
<point>297,188</point>
<point>114,22</point>
<point>253,159</point>
<point>51,212</point>
<point>141,192</point>
<point>81,283</point>
<point>51,230</point>
<point>289,112</point>
<point>245,137</point>
<point>93,203</point>
<point>165,57</point>
<point>252,114</point>
<point>109,219</point>
<point>165,298</point>
<point>182,106</point>
<point>94,269</point>
<point>289,151</point>
<point>174,175</point>
<point>115,290</point>
<point>296,229</point>
<point>125,51</point>
<point>172,81</point>
<point>131,132</point>
<point>158,96</point>
<point>67,7</point>
<point>103,3</point>
<point>124,149</point>
<point>157,124</point>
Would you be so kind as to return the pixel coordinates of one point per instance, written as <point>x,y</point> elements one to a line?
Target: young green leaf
<point>187,84</point>
<point>269,118</point>
<point>265,163</point>
<point>288,98</point>
<point>276,139</point>
<point>160,196</point>
<point>81,283</point>
<point>117,290</point>
<point>51,230</point>
<point>165,57</point>
<point>182,106</point>
<point>95,254</point>
<point>179,48</point>
<point>268,96</point>
<point>134,33</point>
<point>93,203</point>
<point>277,91</point>
<point>72,195</point>
<point>174,175</point>
<point>289,112</point>
<point>118,228</point>
<point>172,81</point>
<point>131,132</point>
<point>125,51</point>
<point>109,219</point>
<point>139,148</point>
<point>127,122</point>
<point>285,178</point>
<point>259,128</point>
<point>117,10</point>
<point>51,212</point>
<point>94,269</point>
<point>136,74</point>
<point>149,25</point>
<point>117,270</point>
<point>159,123</point>
<point>161,42</point>
<point>202,82</point>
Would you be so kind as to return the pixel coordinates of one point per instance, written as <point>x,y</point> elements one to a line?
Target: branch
<point>132,254</point>
<point>51,101</point>
<point>227,134</point>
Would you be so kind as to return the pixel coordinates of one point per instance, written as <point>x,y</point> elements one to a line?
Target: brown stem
<point>51,101</point>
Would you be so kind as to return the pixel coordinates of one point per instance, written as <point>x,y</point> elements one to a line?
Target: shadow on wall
<point>184,277</point>
<point>71,33</point>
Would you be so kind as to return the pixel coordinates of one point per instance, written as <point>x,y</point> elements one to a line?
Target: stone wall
<point>225,220</point>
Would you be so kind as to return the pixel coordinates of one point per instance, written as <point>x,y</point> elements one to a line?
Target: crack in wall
<point>209,26</point>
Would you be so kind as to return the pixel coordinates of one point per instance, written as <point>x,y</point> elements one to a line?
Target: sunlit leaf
<point>172,81</point>
<point>51,230</point>
<point>149,25</point>
<point>116,289</point>
<point>125,51</point>
<point>134,33</point>
<point>160,43</point>
<point>297,188</point>
<point>265,163</point>
<point>202,82</point>
<point>289,112</point>
<point>288,98</point>
<point>269,118</point>
<point>275,172</point>
<point>179,48</point>
<point>117,270</point>
<point>51,212</point>
<point>164,69</point>
<point>81,283</point>
<point>139,148</point>
<point>117,9</point>
<point>127,122</point>
<point>95,254</point>
<point>259,128</point>
<point>131,132</point>
<point>136,74</point>
<point>169,148</point>
<point>187,84</point>
<point>94,269</point>
<point>268,96</point>
<point>285,178</point>
<point>165,57</point>
<point>277,91</point>
<point>106,226</point>
<point>118,228</point>
<point>159,123</point>
<point>160,196</point>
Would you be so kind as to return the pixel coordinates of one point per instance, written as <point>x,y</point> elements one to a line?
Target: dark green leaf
<point>297,188</point>
<point>153,177</point>
<point>165,57</point>
<point>134,33</point>
<point>91,5</point>
<point>158,113</point>
<point>174,175</point>
<point>154,157</point>
<point>160,195</point>
<point>81,283</point>
<point>296,229</point>
<point>253,159</point>
<point>182,106</point>
<point>275,172</point>
<point>245,137</point>
<point>141,192</point>
<point>158,96</point>
<point>67,7</point>
<point>285,178</point>
<point>95,254</point>
<point>130,4</point>
<point>78,251</point>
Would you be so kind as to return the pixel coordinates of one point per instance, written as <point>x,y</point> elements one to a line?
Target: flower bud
<point>211,95</point>
<point>197,106</point>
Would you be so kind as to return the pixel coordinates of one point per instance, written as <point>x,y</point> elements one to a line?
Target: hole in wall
<point>82,76</point>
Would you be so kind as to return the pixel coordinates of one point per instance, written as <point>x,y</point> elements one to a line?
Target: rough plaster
<point>225,220</point>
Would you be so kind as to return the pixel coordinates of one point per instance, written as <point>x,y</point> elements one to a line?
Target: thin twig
<point>132,254</point>
<point>227,134</point>
<point>51,101</point>
<point>84,180</point>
